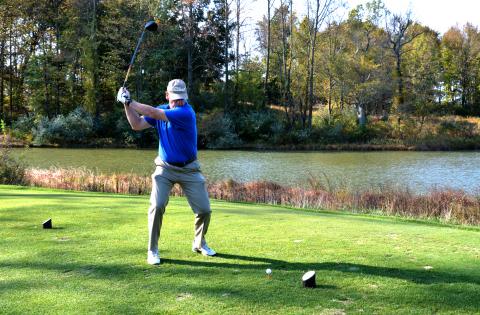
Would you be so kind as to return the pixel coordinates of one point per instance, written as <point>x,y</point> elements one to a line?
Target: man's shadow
<point>416,276</point>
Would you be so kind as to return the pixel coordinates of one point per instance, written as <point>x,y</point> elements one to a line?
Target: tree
<point>366,85</point>
<point>322,10</point>
<point>461,61</point>
<point>397,28</point>
<point>239,24</point>
<point>422,65</point>
<point>268,32</point>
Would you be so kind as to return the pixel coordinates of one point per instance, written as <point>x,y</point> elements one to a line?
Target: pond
<point>419,171</point>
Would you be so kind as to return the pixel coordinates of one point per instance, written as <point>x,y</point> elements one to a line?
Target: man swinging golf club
<point>176,162</point>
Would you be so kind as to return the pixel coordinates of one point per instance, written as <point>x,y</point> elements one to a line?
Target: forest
<point>369,79</point>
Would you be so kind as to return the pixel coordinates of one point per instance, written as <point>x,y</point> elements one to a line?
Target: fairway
<point>94,260</point>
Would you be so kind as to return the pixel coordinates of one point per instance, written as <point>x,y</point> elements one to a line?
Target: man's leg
<point>202,221</point>
<point>161,187</point>
<point>197,196</point>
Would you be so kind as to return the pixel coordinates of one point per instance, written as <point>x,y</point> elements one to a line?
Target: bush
<point>257,125</point>
<point>75,128</point>
<point>405,129</point>
<point>338,128</point>
<point>456,128</point>
<point>215,131</point>
<point>12,172</point>
<point>299,136</point>
<point>22,127</point>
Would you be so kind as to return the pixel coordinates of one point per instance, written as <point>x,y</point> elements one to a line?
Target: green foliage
<point>457,128</point>
<point>257,125</point>
<point>75,128</point>
<point>460,61</point>
<point>124,135</point>
<point>249,84</point>
<point>215,131</point>
<point>22,127</point>
<point>336,128</point>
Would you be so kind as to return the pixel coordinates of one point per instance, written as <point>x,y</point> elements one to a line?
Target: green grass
<point>94,260</point>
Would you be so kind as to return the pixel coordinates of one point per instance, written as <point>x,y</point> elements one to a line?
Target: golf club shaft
<point>133,58</point>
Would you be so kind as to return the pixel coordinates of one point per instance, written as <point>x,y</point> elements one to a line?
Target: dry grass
<point>86,180</point>
<point>453,206</point>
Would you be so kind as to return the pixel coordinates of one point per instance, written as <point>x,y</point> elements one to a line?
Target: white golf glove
<point>123,96</point>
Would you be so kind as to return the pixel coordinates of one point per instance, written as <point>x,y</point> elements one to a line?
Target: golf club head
<point>151,26</point>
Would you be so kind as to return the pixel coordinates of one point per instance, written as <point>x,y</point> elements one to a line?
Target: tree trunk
<point>313,39</point>
<point>225,86</point>
<point>284,64</point>
<point>399,79</point>
<point>237,55</point>
<point>267,72</point>
<point>190,48</point>
<point>46,82</point>
<point>330,87</point>
<point>10,81</point>
<point>57,61</point>
<point>289,72</point>
<point>95,61</point>
<point>362,118</point>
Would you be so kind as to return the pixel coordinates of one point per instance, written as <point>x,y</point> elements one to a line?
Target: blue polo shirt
<point>177,136</point>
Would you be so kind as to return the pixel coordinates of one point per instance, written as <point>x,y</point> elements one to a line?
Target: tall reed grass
<point>448,205</point>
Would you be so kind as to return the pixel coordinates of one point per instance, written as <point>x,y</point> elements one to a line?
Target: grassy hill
<point>94,260</point>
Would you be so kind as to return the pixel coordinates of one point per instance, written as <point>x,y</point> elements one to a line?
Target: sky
<point>439,15</point>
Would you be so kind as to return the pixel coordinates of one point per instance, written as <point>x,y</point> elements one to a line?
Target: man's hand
<point>123,96</point>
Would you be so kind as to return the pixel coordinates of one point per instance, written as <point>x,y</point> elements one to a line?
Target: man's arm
<point>147,110</point>
<point>135,120</point>
<point>134,109</point>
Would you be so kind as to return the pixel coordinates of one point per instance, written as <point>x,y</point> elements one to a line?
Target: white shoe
<point>204,250</point>
<point>153,258</point>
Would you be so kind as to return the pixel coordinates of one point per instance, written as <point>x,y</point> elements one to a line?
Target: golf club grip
<point>133,58</point>
<point>126,77</point>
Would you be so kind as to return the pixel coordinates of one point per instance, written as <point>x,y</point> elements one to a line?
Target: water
<point>419,171</point>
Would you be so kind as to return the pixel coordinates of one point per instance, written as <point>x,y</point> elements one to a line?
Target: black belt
<point>182,164</point>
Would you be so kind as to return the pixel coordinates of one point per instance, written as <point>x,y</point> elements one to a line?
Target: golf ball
<point>268,271</point>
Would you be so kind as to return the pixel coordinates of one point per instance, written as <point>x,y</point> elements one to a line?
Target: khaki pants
<point>194,187</point>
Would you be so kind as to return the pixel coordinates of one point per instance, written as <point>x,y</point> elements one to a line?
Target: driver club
<point>151,26</point>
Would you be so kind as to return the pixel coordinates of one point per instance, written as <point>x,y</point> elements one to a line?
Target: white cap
<point>177,90</point>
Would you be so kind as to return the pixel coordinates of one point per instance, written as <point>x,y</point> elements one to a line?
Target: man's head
<point>176,93</point>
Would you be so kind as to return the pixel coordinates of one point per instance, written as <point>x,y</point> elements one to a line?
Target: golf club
<point>151,26</point>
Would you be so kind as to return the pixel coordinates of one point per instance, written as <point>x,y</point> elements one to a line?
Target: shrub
<point>299,136</point>
<point>257,125</point>
<point>216,131</point>
<point>456,128</point>
<point>22,127</point>
<point>405,129</point>
<point>75,128</point>
<point>125,132</point>
<point>339,127</point>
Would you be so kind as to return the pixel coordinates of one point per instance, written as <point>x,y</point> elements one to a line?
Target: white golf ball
<point>268,271</point>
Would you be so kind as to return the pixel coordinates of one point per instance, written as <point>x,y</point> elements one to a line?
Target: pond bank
<point>472,145</point>
<point>450,206</point>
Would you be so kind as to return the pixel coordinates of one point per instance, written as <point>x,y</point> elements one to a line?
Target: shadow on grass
<point>255,263</point>
<point>415,276</point>
<point>206,268</point>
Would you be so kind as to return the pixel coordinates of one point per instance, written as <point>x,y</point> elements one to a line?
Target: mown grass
<point>93,261</point>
